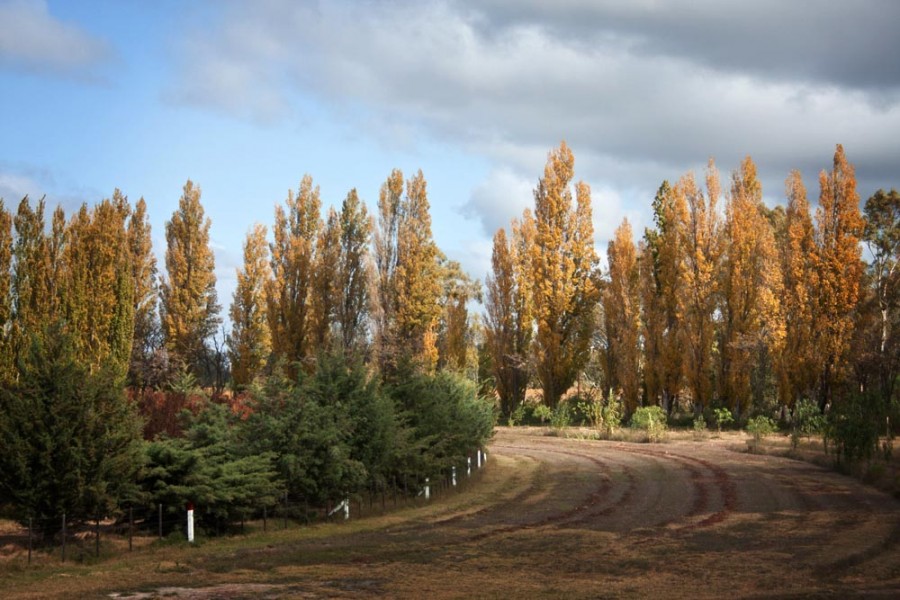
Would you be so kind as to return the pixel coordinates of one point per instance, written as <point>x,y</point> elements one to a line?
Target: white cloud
<point>33,40</point>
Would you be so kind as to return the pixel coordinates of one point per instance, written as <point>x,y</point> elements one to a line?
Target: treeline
<point>347,358</point>
<point>721,303</point>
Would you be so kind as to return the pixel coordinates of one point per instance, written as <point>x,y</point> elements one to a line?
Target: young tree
<point>190,309</point>
<point>621,301</point>
<point>250,343</point>
<point>353,274</point>
<point>563,269</point>
<point>146,339</point>
<point>293,262</point>
<point>698,301</point>
<point>752,326</point>
<point>839,268</point>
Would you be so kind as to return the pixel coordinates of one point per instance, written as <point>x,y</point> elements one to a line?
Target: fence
<point>140,526</point>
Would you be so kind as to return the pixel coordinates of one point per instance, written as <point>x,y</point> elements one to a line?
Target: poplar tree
<point>751,290</point>
<point>701,257</point>
<point>6,348</point>
<point>31,288</point>
<point>797,370</point>
<point>353,274</point>
<point>190,309</point>
<point>146,340</point>
<point>324,291</point>
<point>293,255</point>
<point>621,299</point>
<point>563,265</point>
<point>839,268</point>
<point>385,240</point>
<point>250,344</point>
<point>454,338</point>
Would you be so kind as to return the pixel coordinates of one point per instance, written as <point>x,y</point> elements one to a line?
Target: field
<point>550,517</point>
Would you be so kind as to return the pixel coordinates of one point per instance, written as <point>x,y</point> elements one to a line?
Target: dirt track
<point>568,518</point>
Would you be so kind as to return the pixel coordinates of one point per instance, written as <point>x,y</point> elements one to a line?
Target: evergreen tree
<point>250,343</point>
<point>190,309</point>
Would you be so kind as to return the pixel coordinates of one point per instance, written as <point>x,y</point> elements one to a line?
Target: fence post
<point>427,489</point>
<point>30,543</point>
<point>454,475</point>
<point>97,537</point>
<point>264,519</point>
<point>468,466</point>
<point>190,522</point>
<point>64,536</point>
<point>160,520</point>
<point>130,527</point>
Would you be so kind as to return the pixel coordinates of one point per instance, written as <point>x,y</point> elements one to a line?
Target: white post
<point>190,522</point>
<point>479,459</point>
<point>468,466</point>
<point>346,509</point>
<point>427,489</point>
<point>453,477</point>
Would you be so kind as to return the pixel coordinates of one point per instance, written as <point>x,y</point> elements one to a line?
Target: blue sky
<point>245,97</point>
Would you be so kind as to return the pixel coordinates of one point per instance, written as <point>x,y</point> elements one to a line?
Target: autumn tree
<point>752,327</point>
<point>385,244</point>
<point>839,269</point>
<point>882,237</point>
<point>98,285</point>
<point>250,344</point>
<point>33,294</point>
<point>146,339</point>
<point>509,316</point>
<point>701,257</point>
<point>324,292</point>
<point>190,309</point>
<point>454,338</point>
<point>563,268</point>
<point>660,266</point>
<point>797,369</point>
<point>6,348</point>
<point>621,301</point>
<point>353,274</point>
<point>293,257</point>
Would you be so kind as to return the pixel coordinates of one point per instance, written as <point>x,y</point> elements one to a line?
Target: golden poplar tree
<point>146,294</point>
<point>293,256</point>
<point>353,274</point>
<point>417,285</point>
<point>621,301</point>
<point>6,349</point>
<point>701,257</point>
<point>839,268</point>
<point>33,291</point>
<point>454,336</point>
<point>250,344</point>
<point>324,291</point>
<point>752,326</point>
<point>797,369</point>
<point>98,288</point>
<point>384,300</point>
<point>660,265</point>
<point>563,271</point>
<point>190,309</point>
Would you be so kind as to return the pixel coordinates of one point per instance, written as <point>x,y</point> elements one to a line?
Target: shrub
<point>722,417</point>
<point>852,427</point>
<point>652,420</point>
<point>699,428</point>
<point>542,413</point>
<point>561,417</point>
<point>806,421</point>
<point>759,427</point>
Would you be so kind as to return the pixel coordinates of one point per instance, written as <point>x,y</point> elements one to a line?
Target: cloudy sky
<point>245,97</point>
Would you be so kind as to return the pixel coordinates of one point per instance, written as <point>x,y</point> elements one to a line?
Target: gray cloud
<point>31,39</point>
<point>642,91</point>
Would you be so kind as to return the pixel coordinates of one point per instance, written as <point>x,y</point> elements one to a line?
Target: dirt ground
<point>556,518</point>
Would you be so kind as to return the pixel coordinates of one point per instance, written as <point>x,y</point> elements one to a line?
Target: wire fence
<point>141,526</point>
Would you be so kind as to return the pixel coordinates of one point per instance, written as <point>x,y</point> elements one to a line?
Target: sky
<point>245,97</point>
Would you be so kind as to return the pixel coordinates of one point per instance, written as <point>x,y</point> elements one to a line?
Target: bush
<point>699,428</point>
<point>806,421</point>
<point>852,427</point>
<point>652,420</point>
<point>722,417</point>
<point>561,417</point>
<point>542,413</point>
<point>760,427</point>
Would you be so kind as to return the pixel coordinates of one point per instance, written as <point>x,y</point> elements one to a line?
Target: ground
<point>551,517</point>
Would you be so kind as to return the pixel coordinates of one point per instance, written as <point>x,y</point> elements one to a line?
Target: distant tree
<point>454,338</point>
<point>190,308</point>
<point>147,335</point>
<point>69,439</point>
<point>621,301</point>
<point>324,291</point>
<point>6,346</point>
<point>839,269</point>
<point>353,274</point>
<point>293,256</point>
<point>250,343</point>
<point>563,269</point>
<point>385,245</point>
<point>701,260</point>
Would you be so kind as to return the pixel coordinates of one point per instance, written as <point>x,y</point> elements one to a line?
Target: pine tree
<point>752,326</point>
<point>190,309</point>
<point>701,259</point>
<point>293,262</point>
<point>353,274</point>
<point>621,300</point>
<point>563,271</point>
<point>839,268</point>
<point>250,343</point>
<point>146,337</point>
